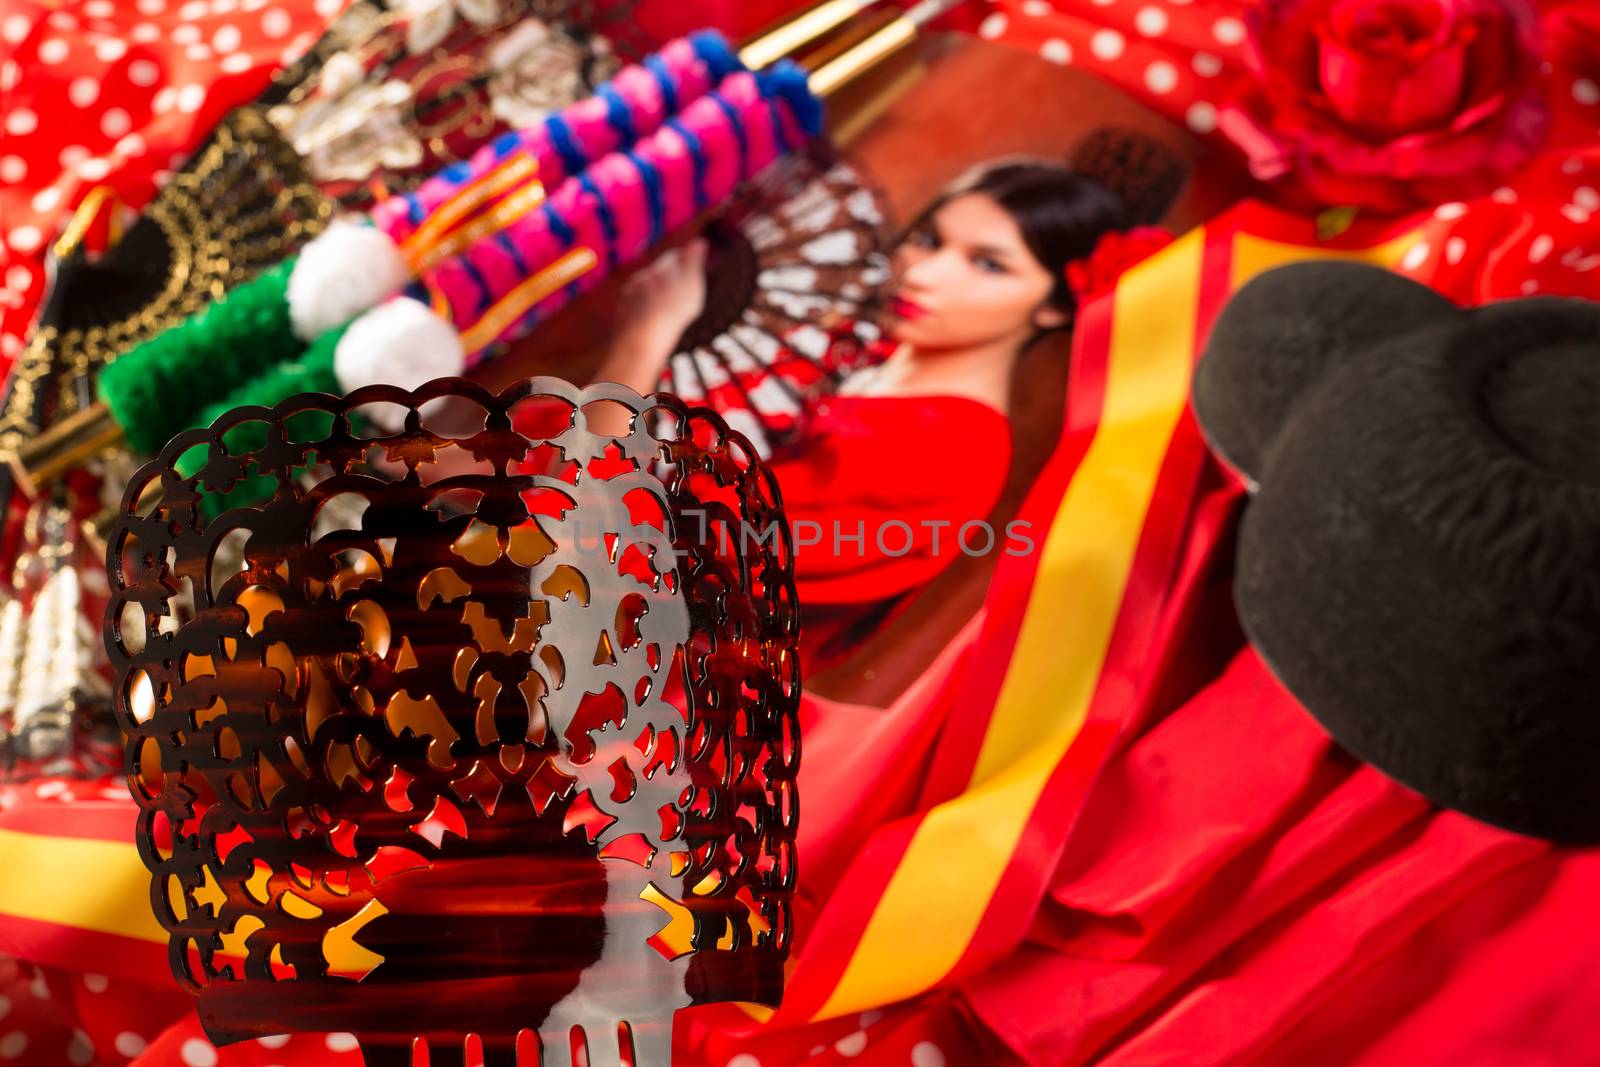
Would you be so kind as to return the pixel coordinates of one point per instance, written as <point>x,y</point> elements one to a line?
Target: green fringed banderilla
<point>163,386</point>
<point>311,374</point>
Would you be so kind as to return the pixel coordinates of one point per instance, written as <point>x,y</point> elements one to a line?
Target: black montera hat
<point>1420,560</point>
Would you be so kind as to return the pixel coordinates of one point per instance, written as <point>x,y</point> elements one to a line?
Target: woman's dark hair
<point>1063,211</point>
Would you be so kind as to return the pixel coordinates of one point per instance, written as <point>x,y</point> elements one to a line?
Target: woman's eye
<point>925,239</point>
<point>989,266</point>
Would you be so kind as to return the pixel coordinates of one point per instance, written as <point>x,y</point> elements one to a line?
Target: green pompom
<point>311,374</point>
<point>164,386</point>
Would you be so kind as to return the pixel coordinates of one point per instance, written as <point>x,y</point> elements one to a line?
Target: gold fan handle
<point>838,73</point>
<point>796,34</point>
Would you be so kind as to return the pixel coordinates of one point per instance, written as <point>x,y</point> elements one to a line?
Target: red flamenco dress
<point>877,490</point>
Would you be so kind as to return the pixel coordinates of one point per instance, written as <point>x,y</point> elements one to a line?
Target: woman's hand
<point>656,306</point>
<point>669,294</point>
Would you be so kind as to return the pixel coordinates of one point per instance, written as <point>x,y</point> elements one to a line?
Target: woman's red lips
<point>907,309</point>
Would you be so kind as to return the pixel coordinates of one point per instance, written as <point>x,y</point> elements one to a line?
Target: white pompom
<point>401,343</point>
<point>348,268</point>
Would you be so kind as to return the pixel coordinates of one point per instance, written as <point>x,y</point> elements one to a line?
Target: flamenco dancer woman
<point>881,475</point>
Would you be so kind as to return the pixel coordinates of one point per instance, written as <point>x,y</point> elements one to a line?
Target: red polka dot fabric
<point>1190,60</point>
<point>115,92</point>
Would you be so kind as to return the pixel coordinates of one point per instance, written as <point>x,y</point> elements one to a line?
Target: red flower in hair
<point>1118,250</point>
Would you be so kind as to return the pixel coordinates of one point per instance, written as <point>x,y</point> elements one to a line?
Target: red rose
<point>1390,104</point>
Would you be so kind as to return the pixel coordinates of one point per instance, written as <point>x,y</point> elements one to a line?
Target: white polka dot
<point>274,1041</point>
<point>1038,9</point>
<point>110,50</point>
<point>54,50</point>
<point>166,97</point>
<point>191,98</point>
<point>1450,211</point>
<point>1540,249</point>
<point>100,9</point>
<point>227,39</point>
<point>253,5</point>
<point>10,75</point>
<point>223,7</point>
<point>96,983</point>
<point>151,7</point>
<point>19,277</point>
<point>328,8</point>
<point>12,169</point>
<point>146,33</point>
<point>15,28</point>
<point>40,988</point>
<point>188,33</point>
<point>64,21</point>
<point>744,1059</point>
<point>342,1043</point>
<point>83,91</point>
<point>1530,287</point>
<point>13,1045</point>
<point>92,170</point>
<point>1201,117</point>
<point>237,63</point>
<point>993,26</point>
<point>1206,65</point>
<point>1504,195</point>
<point>70,157</point>
<point>869,1019</point>
<point>1416,255</point>
<point>128,1044</point>
<point>197,53</point>
<point>297,48</point>
<point>80,1050</point>
<point>276,23</point>
<point>1104,3</point>
<point>198,1052</point>
<point>1574,213</point>
<point>1161,77</point>
<point>143,73</point>
<point>1571,165</point>
<point>5,1005</point>
<point>46,199</point>
<point>1151,21</point>
<point>1056,51</point>
<point>926,1054</point>
<point>1454,250</point>
<point>26,239</point>
<point>851,1044</point>
<point>1585,197</point>
<point>194,9</point>
<point>1586,92</point>
<point>1228,30</point>
<point>1106,44</point>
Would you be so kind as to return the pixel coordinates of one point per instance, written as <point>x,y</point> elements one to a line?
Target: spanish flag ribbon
<point>1064,661</point>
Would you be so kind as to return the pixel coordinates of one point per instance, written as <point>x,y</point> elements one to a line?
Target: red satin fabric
<point>878,490</point>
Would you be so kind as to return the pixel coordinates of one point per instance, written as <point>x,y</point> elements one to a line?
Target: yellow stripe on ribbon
<point>85,884</point>
<point>937,896</point>
<point>511,307</point>
<point>446,232</point>
<point>103,887</point>
<point>1254,255</point>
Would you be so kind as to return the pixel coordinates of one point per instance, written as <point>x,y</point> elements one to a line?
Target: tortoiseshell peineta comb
<point>491,740</point>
